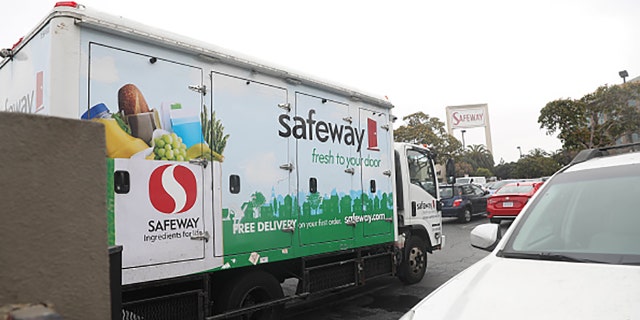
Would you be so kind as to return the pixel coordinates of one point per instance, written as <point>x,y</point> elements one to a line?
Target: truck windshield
<point>421,171</point>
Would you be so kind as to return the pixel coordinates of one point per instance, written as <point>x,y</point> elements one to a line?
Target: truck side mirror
<point>450,168</point>
<point>439,205</point>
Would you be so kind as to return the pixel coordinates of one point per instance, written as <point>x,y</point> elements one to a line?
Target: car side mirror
<point>486,236</point>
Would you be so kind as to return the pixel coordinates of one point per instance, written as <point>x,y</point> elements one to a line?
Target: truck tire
<point>251,289</point>
<point>414,264</point>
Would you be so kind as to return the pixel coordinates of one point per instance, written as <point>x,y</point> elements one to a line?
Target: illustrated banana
<point>119,143</point>
<point>202,150</point>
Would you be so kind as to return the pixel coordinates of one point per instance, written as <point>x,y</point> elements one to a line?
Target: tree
<point>478,156</point>
<point>564,157</point>
<point>597,119</point>
<point>530,167</point>
<point>483,172</point>
<point>504,170</point>
<point>463,169</point>
<point>253,206</point>
<point>422,129</point>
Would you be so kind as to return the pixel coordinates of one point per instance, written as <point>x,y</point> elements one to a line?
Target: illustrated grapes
<point>169,147</point>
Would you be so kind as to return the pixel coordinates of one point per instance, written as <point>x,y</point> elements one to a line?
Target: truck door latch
<point>350,170</point>
<point>288,229</point>
<point>199,88</point>
<point>288,167</point>
<point>200,161</point>
<point>351,222</point>
<point>200,235</point>
<point>285,106</point>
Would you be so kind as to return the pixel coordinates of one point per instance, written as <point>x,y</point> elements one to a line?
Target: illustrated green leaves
<point>213,132</point>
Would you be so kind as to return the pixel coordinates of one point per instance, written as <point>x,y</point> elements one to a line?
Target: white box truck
<point>229,176</point>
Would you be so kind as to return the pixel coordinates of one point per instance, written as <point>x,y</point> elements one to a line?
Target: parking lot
<point>388,298</point>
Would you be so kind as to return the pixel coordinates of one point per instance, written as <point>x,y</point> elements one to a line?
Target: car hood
<point>505,288</point>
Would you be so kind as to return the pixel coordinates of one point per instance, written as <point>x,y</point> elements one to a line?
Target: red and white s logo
<point>172,189</point>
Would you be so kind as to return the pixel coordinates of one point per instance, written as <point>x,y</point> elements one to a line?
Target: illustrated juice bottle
<point>186,124</point>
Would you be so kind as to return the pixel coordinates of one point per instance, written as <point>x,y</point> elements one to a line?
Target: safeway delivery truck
<point>228,176</point>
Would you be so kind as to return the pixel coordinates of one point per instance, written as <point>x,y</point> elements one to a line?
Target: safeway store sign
<point>467,118</point>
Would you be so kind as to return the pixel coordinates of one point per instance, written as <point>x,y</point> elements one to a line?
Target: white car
<point>573,252</point>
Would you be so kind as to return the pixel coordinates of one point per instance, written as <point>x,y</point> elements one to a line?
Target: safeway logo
<point>172,189</point>
<point>372,129</point>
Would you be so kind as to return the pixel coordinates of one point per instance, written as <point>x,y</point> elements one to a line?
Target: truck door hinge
<point>387,173</point>
<point>388,219</point>
<point>348,119</point>
<point>350,170</point>
<point>385,126</point>
<point>200,235</point>
<point>285,106</point>
<point>199,88</point>
<point>288,167</point>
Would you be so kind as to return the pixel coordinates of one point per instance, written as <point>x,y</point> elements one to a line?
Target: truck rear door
<point>377,186</point>
<point>257,201</point>
<point>328,169</point>
<point>159,202</point>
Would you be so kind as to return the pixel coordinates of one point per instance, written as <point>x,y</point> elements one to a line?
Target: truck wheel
<point>465,216</point>
<point>251,289</point>
<point>414,265</point>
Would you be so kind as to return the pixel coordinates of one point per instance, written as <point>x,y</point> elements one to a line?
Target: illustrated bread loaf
<point>131,101</point>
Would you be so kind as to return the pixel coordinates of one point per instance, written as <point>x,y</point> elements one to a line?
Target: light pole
<point>623,74</point>
<point>463,131</point>
<point>519,149</point>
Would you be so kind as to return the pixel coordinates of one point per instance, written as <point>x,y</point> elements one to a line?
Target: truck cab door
<point>423,192</point>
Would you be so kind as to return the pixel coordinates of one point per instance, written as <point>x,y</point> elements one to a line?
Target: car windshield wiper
<point>550,256</point>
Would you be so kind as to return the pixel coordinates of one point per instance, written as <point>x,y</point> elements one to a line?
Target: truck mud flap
<point>185,305</point>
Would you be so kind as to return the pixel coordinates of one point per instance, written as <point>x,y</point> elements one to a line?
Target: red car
<point>506,202</point>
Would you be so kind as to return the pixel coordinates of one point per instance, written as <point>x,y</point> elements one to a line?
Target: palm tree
<point>478,156</point>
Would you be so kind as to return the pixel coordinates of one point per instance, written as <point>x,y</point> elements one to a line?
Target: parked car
<point>492,187</point>
<point>463,201</point>
<point>506,203</point>
<point>481,181</point>
<point>572,253</point>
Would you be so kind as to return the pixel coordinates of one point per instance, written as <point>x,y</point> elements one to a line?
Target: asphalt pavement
<point>387,298</point>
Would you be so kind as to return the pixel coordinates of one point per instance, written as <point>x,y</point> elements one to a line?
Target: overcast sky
<point>424,55</point>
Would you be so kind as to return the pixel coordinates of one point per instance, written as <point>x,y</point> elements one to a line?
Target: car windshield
<point>498,184</point>
<point>587,215</point>
<point>515,189</point>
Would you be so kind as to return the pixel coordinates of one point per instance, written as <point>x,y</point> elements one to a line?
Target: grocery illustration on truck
<point>230,176</point>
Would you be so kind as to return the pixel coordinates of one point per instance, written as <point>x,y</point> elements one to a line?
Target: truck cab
<point>418,207</point>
